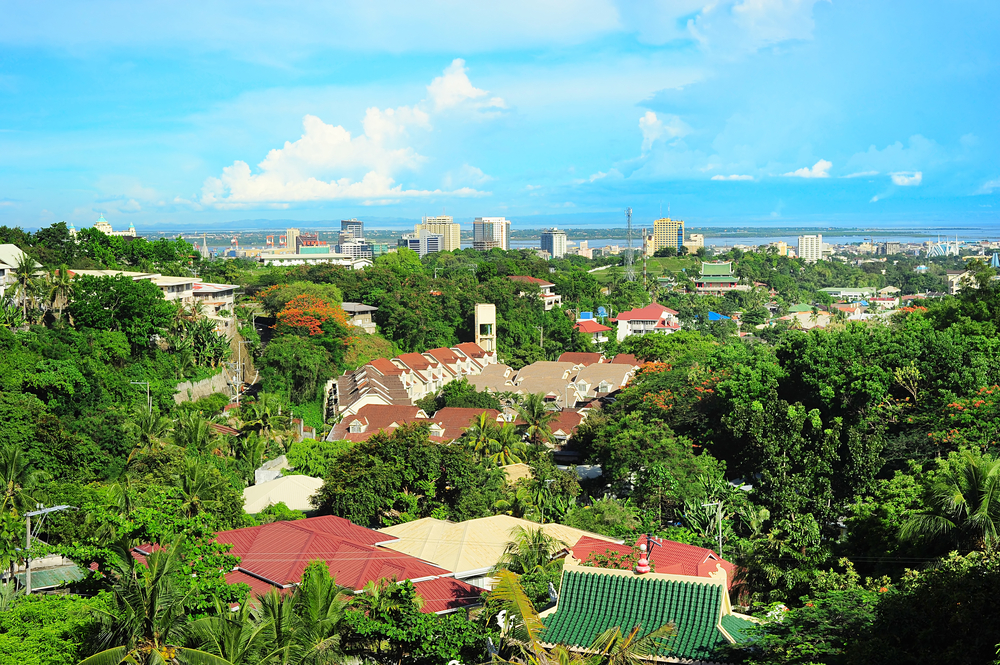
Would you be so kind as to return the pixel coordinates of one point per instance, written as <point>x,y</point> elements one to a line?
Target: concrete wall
<point>189,392</point>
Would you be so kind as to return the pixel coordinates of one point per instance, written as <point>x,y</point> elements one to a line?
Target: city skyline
<point>761,111</point>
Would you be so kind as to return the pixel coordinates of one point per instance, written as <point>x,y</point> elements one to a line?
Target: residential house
<point>850,293</point>
<point>10,257</point>
<point>373,418</point>
<point>173,288</point>
<point>273,556</point>
<point>215,298</point>
<point>581,358</point>
<point>549,297</point>
<point>470,549</point>
<point>626,359</point>
<point>593,600</point>
<point>451,422</point>
<point>667,556</point>
<point>957,280</point>
<point>296,492</point>
<point>426,372</point>
<point>360,316</point>
<point>597,332</point>
<point>651,318</point>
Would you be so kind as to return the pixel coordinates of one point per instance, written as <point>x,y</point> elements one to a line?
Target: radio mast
<point>629,259</point>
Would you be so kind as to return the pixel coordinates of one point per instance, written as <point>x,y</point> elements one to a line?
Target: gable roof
<point>669,557</point>
<point>472,545</point>
<point>455,420</point>
<point>385,367</point>
<point>566,421</point>
<point>530,280</point>
<point>10,255</point>
<point>274,555</point>
<point>591,600</point>
<point>415,361</point>
<point>471,349</point>
<point>444,356</point>
<point>625,359</point>
<point>716,268</point>
<point>294,491</point>
<point>590,326</point>
<point>652,312</point>
<point>578,358</point>
<point>375,418</point>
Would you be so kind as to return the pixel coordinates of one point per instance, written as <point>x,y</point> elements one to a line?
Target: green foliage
<point>49,629</point>
<point>316,458</point>
<point>402,476</point>
<point>295,367</point>
<point>608,516</point>
<point>135,308</point>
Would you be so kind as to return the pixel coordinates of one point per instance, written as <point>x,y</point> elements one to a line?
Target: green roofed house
<point>592,600</point>
<point>716,277</point>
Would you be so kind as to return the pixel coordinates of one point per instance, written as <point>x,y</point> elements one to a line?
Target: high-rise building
<point>443,225</point>
<point>423,243</point>
<point>554,242</point>
<point>810,248</point>
<point>353,226</point>
<point>291,239</point>
<point>668,233</point>
<point>490,233</point>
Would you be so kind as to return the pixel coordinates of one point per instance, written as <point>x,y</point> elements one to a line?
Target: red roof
<point>274,555</point>
<point>625,359</point>
<point>531,280</point>
<point>472,350</point>
<point>373,418</point>
<point>566,420</point>
<point>652,312</point>
<point>444,356</point>
<point>670,557</point>
<point>579,358</point>
<point>415,361</point>
<point>456,420</point>
<point>385,367</point>
<point>591,326</point>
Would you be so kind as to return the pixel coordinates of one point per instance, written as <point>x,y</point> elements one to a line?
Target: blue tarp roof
<point>715,316</point>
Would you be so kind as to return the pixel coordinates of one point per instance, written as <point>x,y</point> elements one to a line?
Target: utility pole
<point>541,332</point>
<point>149,400</point>
<point>27,541</point>
<point>239,368</point>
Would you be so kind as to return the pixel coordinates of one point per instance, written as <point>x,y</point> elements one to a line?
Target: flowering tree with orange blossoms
<point>319,320</point>
<point>971,422</point>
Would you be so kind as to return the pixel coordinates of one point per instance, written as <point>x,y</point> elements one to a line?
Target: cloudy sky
<point>725,111</point>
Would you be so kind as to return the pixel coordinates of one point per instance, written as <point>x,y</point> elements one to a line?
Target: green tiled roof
<point>722,279</point>
<point>736,627</point>
<point>800,308</point>
<point>590,603</point>
<point>46,578</point>
<point>716,269</point>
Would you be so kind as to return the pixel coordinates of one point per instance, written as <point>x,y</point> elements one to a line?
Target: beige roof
<point>294,491</point>
<point>615,375</point>
<point>547,370</point>
<point>10,256</point>
<point>472,545</point>
<point>498,378</point>
<point>516,472</point>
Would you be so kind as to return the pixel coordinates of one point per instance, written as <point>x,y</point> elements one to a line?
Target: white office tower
<point>352,226</point>
<point>423,243</point>
<point>554,242</point>
<point>490,233</point>
<point>811,248</point>
<point>445,226</point>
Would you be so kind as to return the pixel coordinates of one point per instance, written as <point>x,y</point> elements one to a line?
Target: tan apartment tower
<point>668,233</point>
<point>490,233</point>
<point>443,225</point>
<point>486,326</point>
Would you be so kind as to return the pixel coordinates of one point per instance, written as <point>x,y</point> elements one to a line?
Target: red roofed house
<point>549,297</point>
<point>651,318</point>
<point>595,330</point>
<point>274,555</point>
<point>667,557</point>
<point>373,418</point>
<point>451,422</point>
<point>477,355</point>
<point>427,373</point>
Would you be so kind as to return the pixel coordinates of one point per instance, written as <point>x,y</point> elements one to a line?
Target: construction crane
<point>270,241</point>
<point>282,241</point>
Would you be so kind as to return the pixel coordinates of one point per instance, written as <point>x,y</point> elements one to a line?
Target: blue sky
<point>729,112</point>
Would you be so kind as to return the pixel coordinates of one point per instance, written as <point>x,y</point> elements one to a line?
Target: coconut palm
<point>506,447</point>
<point>481,436</point>
<point>199,484</point>
<point>239,636</point>
<point>10,314</point>
<point>523,628</point>
<point>616,647</point>
<point>192,431</point>
<point>17,480</point>
<point>24,273</point>
<point>58,285</point>
<point>537,415</point>
<point>529,550</point>
<point>151,427</point>
<point>148,614</point>
<point>963,505</point>
<point>320,608</point>
<point>263,415</point>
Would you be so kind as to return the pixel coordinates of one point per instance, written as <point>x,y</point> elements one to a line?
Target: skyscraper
<point>668,233</point>
<point>490,232</point>
<point>554,242</point>
<point>353,226</point>
<point>445,226</point>
<point>811,248</point>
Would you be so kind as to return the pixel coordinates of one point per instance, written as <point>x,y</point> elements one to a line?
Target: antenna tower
<point>629,259</point>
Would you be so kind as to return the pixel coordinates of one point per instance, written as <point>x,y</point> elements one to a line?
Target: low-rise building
<point>716,278</point>
<point>850,293</point>
<point>360,316</point>
<point>957,280</point>
<point>549,296</point>
<point>651,318</point>
<point>10,257</point>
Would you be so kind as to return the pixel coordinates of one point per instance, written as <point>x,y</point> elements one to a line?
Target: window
<point>354,428</point>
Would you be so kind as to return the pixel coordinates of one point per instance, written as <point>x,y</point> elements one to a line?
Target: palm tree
<point>537,415</point>
<point>10,314</point>
<point>963,505</point>
<point>193,432</point>
<point>199,486</point>
<point>380,597</point>
<point>615,647</point>
<point>529,549</point>
<point>152,427</point>
<point>263,415</point>
<point>506,447</point>
<point>239,636</point>
<point>58,285</point>
<point>24,273</point>
<point>523,627</point>
<point>320,606</point>
<point>148,614</point>
<point>481,436</point>
<point>16,479</point>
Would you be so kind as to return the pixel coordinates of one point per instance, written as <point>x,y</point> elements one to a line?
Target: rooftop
<point>590,326</point>
<point>653,312</point>
<point>667,556</point>
<point>583,358</point>
<point>530,280</point>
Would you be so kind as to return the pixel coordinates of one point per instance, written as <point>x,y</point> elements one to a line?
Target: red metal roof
<point>471,349</point>
<point>456,420</point>
<point>625,359</point>
<point>275,555</point>
<point>530,280</point>
<point>591,326</point>
<point>651,312</point>
<point>671,557</point>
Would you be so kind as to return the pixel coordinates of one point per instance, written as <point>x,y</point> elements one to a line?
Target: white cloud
<point>907,178</point>
<point>860,174</point>
<point>327,162</point>
<point>600,175</point>
<point>989,186</point>
<point>454,87</point>
<point>874,199</point>
<point>732,177</point>
<point>735,26</point>
<point>918,155</point>
<point>819,170</point>
<point>654,128</point>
